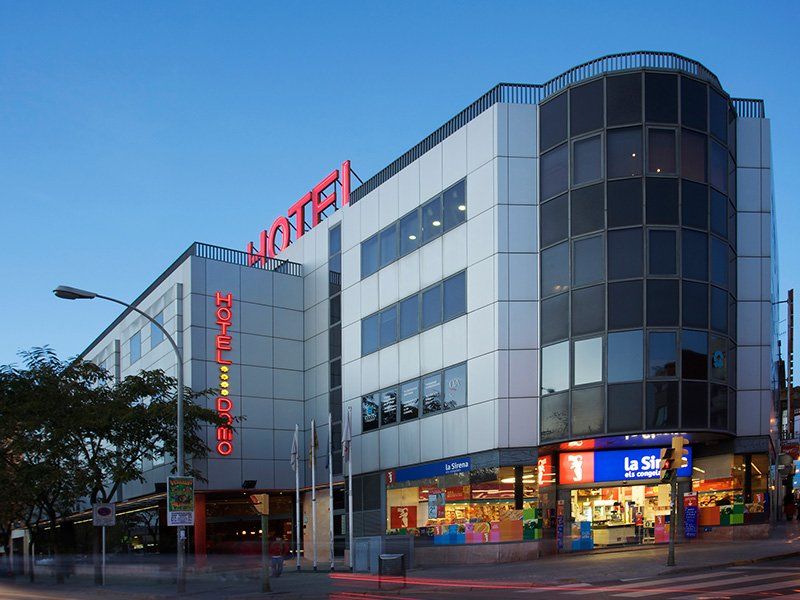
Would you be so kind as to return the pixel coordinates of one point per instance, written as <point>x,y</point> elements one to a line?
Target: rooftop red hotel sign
<point>222,345</point>
<point>279,235</point>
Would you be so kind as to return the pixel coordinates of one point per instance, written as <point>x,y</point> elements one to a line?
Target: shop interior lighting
<point>698,469</point>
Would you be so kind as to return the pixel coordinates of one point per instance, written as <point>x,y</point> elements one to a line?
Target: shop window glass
<point>694,354</point>
<point>586,160</point>
<point>369,412</point>
<point>431,307</point>
<point>135,347</point>
<point>661,98</point>
<point>719,213</point>
<point>455,296</point>
<point>409,233</point>
<point>588,411</point>
<point>662,302</point>
<point>693,155</point>
<point>625,356</point>
<point>586,107</point>
<point>388,326</point>
<point>624,202</point>
<point>719,261</point>
<point>388,245</point>
<point>662,251</point>
<point>555,318</point>
<point>588,310</point>
<point>662,405</point>
<point>695,304</point>
<point>369,334</point>
<point>553,121</point>
<point>455,205</point>
<point>588,260</point>
<point>624,99</point>
<point>624,152</point>
<point>432,219</point>
<point>662,354</point>
<point>624,253</point>
<point>369,256</point>
<point>693,103</point>
<point>409,317</point>
<point>694,259</point>
<point>661,151</point>
<point>409,400</point>
<point>555,269</point>
<point>555,174</point>
<point>624,407</point>
<point>719,310</point>
<point>625,304</point>
<point>555,222</point>
<point>719,407</point>
<point>662,201</point>
<point>718,171</point>
<point>555,417</point>
<point>555,368</point>
<point>718,112</point>
<point>388,406</point>
<point>694,204</point>
<point>587,208</point>
<point>694,405</point>
<point>455,387</point>
<point>719,358</point>
<point>588,361</point>
<point>431,393</point>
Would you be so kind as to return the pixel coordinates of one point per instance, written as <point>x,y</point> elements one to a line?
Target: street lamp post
<point>71,293</point>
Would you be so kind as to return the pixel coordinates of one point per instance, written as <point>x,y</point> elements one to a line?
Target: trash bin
<point>392,570</point>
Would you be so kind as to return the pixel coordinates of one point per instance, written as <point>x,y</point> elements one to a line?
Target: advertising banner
<point>104,514</point>
<point>456,465</point>
<point>615,465</point>
<point>180,501</point>
<point>403,517</point>
<point>690,510</point>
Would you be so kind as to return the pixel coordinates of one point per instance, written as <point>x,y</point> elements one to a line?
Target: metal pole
<point>350,494</point>
<point>673,518</point>
<point>330,486</point>
<point>297,507</point>
<point>104,555</point>
<point>313,495</point>
<point>264,559</point>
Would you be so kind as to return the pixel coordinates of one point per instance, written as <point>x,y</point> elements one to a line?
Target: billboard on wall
<point>634,464</point>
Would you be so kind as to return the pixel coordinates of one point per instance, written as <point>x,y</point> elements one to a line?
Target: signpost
<point>180,502</point>
<point>104,515</point>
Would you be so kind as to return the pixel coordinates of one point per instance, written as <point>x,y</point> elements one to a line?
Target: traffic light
<point>680,453</point>
<point>667,464</point>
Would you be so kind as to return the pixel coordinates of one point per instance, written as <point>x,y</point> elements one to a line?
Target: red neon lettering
<point>224,315</point>
<point>223,342</point>
<point>298,211</point>
<point>224,448</point>
<point>346,183</point>
<point>259,257</point>
<point>227,416</point>
<point>222,361</point>
<point>224,434</point>
<point>281,223</point>
<point>223,404</point>
<point>219,299</point>
<point>317,205</point>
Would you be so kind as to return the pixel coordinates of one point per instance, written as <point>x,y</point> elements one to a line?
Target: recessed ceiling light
<point>462,207</point>
<point>436,223</point>
<point>412,237</point>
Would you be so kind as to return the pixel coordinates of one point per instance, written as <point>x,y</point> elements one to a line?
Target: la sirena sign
<point>278,237</point>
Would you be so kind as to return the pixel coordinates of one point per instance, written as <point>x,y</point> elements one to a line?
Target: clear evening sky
<point>129,130</point>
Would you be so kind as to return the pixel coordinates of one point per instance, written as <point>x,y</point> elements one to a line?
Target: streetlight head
<point>71,293</point>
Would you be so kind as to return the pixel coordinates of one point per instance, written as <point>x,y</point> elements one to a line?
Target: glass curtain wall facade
<point>638,257</point>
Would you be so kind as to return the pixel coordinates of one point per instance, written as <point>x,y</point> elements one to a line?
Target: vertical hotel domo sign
<point>222,346</point>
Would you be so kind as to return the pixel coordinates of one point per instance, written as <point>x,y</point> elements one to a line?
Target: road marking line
<point>754,589</point>
<point>665,585</point>
<point>641,583</point>
<point>766,568</point>
<point>539,590</point>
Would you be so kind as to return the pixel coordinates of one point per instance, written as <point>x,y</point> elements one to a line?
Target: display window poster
<point>180,501</point>
<point>409,401</point>
<point>545,474</point>
<point>458,493</point>
<point>455,381</point>
<point>436,503</point>
<point>576,467</point>
<point>403,517</point>
<point>388,407</point>
<point>369,413</point>
<point>690,514</point>
<point>431,393</point>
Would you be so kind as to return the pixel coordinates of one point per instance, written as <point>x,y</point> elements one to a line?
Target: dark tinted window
<point>335,341</point>
<point>409,317</point>
<point>388,245</point>
<point>624,155</point>
<point>719,261</point>
<point>625,304</point>
<point>625,407</point>
<point>555,220</point>
<point>586,107</point>
<point>719,309</point>
<point>369,256</point>
<point>388,326</point>
<point>662,201</point>
<point>455,205</point>
<point>719,213</point>
<point>409,233</point>
<point>554,176</point>
<point>718,111</point>
<point>661,98</point>
<point>588,310</point>
<point>693,155</point>
<point>555,416</point>
<point>624,202</point>
<point>694,405</point>
<point>662,253</point>
<point>431,307</point>
<point>693,103</point>
<point>334,240</point>
<point>335,309</point>
<point>694,257</point>
<point>625,356</point>
<point>662,302</point>
<point>432,219</point>
<point>719,407</point>
<point>369,334</point>
<point>624,98</point>
<point>588,212</point>
<point>586,160</point>
<point>624,253</point>
<point>587,260</point>
<point>662,354</point>
<point>555,269</point>
<point>588,411</point>
<point>662,405</point>
<point>694,204</point>
<point>553,121</point>
<point>555,318</point>
<point>718,171</point>
<point>661,151</point>
<point>694,354</point>
<point>695,304</point>
<point>455,296</point>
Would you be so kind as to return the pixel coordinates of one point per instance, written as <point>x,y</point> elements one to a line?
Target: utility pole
<point>671,462</point>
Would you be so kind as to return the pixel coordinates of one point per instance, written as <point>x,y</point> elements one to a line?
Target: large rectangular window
<point>624,152</point>
<point>409,317</point>
<point>370,340</point>
<point>388,406</point>
<point>555,417</point>
<point>432,219</point>
<point>135,345</point>
<point>555,173</point>
<point>370,256</point>
<point>455,387</point>
<point>409,400</point>
<point>431,307</point>
<point>662,354</point>
<point>431,393</point>
<point>586,160</point>
<point>156,335</point>
<point>625,356</point>
<point>455,296</point>
<point>388,245</point>
<point>555,368</point>
<point>454,202</point>
<point>388,326</point>
<point>369,412</point>
<point>409,233</point>
<point>661,151</point>
<point>694,354</point>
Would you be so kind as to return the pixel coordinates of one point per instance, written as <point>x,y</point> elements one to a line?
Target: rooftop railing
<point>239,257</point>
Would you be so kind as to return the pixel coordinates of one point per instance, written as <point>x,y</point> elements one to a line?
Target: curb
<point>735,563</point>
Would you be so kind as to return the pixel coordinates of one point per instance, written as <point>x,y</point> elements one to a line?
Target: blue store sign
<point>455,465</point>
<point>633,464</point>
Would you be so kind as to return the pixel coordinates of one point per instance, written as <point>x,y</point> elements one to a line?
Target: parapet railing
<point>534,93</point>
<point>239,257</point>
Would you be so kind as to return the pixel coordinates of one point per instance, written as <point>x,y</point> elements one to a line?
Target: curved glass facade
<point>638,257</point>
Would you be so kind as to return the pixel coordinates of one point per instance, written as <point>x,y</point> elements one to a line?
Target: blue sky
<point>130,130</point>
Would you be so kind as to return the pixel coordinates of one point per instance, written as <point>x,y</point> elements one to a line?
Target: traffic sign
<point>104,514</point>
